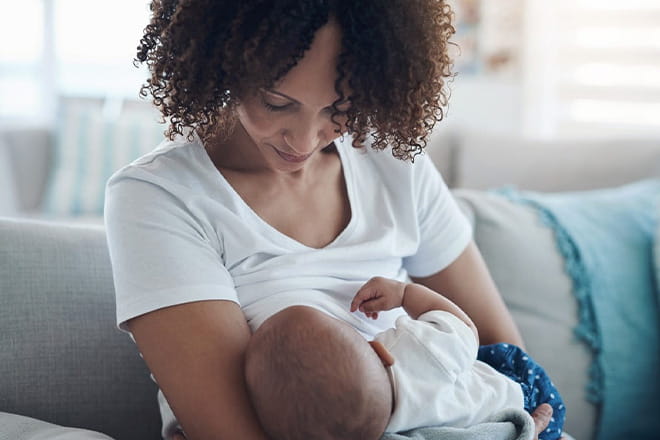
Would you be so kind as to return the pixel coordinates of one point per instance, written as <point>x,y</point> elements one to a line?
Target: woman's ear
<point>382,352</point>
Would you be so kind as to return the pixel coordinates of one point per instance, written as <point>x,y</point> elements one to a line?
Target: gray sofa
<point>63,362</point>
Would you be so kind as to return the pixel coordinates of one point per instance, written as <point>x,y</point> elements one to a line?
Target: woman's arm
<point>468,283</point>
<point>195,351</point>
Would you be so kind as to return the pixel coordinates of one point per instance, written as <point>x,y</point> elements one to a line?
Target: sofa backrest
<point>62,359</point>
<point>482,162</point>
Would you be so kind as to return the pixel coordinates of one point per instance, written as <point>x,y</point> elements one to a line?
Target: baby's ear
<point>382,352</point>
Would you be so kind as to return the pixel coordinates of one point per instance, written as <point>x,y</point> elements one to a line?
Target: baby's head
<point>312,376</point>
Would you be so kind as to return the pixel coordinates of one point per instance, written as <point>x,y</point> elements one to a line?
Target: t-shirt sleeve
<point>161,254</point>
<point>435,338</point>
<point>444,230</point>
<point>450,331</point>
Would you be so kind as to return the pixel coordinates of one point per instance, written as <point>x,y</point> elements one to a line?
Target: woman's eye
<point>272,107</point>
<point>275,108</point>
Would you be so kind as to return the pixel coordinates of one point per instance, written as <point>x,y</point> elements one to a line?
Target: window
<point>67,47</point>
<point>21,57</point>
<point>95,45</point>
<point>593,67</point>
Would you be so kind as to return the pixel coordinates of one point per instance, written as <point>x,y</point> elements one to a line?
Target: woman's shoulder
<point>369,162</point>
<point>178,161</point>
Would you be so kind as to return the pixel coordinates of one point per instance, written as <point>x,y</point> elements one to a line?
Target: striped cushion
<point>89,148</point>
<point>8,202</point>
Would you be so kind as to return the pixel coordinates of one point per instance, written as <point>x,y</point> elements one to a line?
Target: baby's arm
<point>380,294</point>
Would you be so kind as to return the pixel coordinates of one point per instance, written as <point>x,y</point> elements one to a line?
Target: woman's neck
<point>237,153</point>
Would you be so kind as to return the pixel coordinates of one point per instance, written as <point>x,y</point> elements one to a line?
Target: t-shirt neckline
<point>274,232</point>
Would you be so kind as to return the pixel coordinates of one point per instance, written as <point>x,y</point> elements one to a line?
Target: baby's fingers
<point>373,305</point>
<point>355,304</point>
<point>364,294</point>
<point>541,416</point>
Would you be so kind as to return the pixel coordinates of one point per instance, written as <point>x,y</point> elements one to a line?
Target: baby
<point>312,376</point>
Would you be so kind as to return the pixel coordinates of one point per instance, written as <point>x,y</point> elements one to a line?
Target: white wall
<point>484,104</point>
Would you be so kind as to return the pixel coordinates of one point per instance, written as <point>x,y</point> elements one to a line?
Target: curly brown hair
<point>205,54</point>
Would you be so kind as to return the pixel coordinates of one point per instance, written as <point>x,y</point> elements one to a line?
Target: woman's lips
<point>292,157</point>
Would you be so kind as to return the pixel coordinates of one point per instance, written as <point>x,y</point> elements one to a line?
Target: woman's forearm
<point>195,351</point>
<point>419,299</point>
<point>468,283</point>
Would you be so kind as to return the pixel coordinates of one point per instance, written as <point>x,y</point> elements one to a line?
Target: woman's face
<point>290,123</point>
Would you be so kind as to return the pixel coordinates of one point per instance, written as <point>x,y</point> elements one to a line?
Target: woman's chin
<point>292,158</point>
<point>288,162</point>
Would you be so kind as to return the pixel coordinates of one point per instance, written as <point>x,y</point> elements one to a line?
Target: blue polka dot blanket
<point>537,387</point>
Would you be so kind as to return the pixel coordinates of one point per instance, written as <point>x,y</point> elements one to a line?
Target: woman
<point>253,203</point>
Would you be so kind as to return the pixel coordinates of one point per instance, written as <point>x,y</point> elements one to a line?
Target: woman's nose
<point>305,138</point>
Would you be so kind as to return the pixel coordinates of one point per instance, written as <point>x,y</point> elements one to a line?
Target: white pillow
<point>17,427</point>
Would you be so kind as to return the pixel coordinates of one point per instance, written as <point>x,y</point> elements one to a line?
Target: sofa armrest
<point>63,360</point>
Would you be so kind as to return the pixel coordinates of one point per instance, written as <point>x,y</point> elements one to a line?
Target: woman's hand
<point>468,284</point>
<point>541,415</point>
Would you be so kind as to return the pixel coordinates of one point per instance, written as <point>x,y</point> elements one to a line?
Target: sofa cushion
<point>62,359</point>
<point>522,256</point>
<point>606,238</point>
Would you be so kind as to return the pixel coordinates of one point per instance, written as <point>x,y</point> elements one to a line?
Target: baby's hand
<point>378,294</point>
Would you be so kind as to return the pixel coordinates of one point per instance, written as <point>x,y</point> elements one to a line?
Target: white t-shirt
<point>437,378</point>
<point>178,232</point>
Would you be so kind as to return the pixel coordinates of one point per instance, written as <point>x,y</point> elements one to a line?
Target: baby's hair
<point>204,55</point>
<point>306,380</point>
